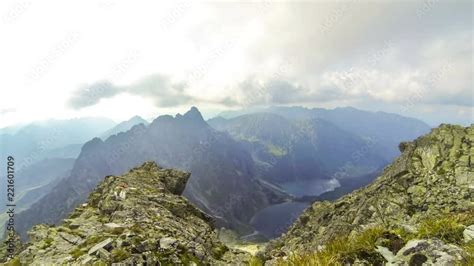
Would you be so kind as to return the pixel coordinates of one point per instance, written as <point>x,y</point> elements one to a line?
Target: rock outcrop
<point>138,217</point>
<point>433,177</point>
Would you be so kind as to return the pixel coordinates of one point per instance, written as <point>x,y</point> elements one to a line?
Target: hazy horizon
<point>213,114</point>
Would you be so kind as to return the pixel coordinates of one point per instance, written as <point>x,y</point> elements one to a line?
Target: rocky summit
<point>418,211</point>
<point>138,217</point>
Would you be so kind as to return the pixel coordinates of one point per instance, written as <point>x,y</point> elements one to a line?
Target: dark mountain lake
<point>274,220</point>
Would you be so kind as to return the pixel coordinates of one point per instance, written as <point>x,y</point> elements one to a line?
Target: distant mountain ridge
<point>291,150</point>
<point>33,142</point>
<point>222,172</point>
<point>124,126</point>
<point>387,129</point>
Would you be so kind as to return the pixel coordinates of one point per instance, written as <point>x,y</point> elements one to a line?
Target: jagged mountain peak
<point>192,117</point>
<point>193,114</point>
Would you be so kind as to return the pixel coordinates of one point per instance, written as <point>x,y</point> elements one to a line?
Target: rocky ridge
<point>138,217</point>
<point>433,177</point>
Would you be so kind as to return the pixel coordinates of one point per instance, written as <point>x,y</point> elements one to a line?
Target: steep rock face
<point>222,183</point>
<point>138,217</point>
<point>433,176</point>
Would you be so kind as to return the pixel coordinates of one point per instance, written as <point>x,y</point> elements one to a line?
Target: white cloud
<point>399,53</point>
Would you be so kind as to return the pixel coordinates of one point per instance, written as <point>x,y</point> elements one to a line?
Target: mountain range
<point>384,129</point>
<point>287,150</point>
<point>31,141</point>
<point>419,211</point>
<point>222,182</point>
<point>239,165</point>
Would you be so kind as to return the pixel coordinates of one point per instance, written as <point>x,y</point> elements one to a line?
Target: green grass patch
<point>120,254</point>
<point>77,252</point>
<point>469,248</point>
<point>345,250</point>
<point>447,229</point>
<point>47,243</point>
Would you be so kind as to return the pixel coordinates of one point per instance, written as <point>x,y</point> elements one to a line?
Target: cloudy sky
<point>119,59</point>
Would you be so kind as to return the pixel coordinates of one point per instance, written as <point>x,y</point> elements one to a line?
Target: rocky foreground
<point>427,193</point>
<point>420,211</point>
<point>138,217</point>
